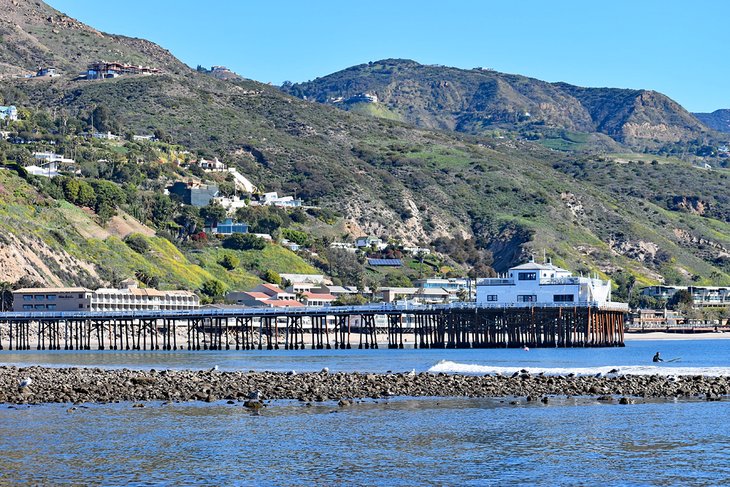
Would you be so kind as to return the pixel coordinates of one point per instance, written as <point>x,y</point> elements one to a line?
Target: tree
<point>350,300</point>
<point>681,299</point>
<point>213,213</point>
<point>229,261</point>
<point>161,209</point>
<point>244,241</point>
<point>213,289</point>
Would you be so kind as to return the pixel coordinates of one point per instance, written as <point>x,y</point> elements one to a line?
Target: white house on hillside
<point>534,284</point>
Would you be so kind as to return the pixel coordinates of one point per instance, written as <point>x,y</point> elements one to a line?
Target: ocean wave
<point>449,367</point>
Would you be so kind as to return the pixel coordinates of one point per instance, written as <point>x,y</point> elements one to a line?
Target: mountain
<point>478,100</point>
<point>656,218</point>
<point>718,120</point>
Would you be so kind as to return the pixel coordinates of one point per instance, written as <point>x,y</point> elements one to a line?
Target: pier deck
<point>459,325</point>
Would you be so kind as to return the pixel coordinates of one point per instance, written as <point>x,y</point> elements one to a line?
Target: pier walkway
<point>457,325</point>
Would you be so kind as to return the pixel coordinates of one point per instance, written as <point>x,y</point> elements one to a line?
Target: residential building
<point>370,242</point>
<point>701,295</point>
<point>343,246</point>
<point>313,278</point>
<point>8,113</point>
<point>144,138</point>
<point>454,286</point>
<point>227,227</point>
<point>257,299</point>
<point>104,70</point>
<point>231,203</point>
<point>49,170</point>
<point>46,72</point>
<point>273,291</point>
<point>317,299</point>
<point>49,157</point>
<point>105,136</point>
<point>273,199</point>
<point>293,246</point>
<point>421,295</point>
<point>212,166</point>
<point>195,194</point>
<point>301,287</point>
<point>417,250</point>
<point>653,318</point>
<point>534,284</point>
<point>52,299</point>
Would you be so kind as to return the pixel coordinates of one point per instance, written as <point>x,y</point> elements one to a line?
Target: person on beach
<point>657,358</point>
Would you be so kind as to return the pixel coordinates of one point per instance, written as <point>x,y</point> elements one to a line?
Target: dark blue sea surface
<point>401,441</point>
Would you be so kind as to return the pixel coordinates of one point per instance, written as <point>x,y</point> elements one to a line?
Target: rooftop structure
<point>212,166</point>
<point>273,199</point>
<point>534,284</point>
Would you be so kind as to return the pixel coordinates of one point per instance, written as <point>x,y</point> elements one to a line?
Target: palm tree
<point>6,296</point>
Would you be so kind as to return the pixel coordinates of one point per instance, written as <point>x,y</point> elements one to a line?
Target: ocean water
<point>402,441</point>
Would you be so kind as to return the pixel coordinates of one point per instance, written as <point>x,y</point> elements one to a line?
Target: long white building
<point>534,284</point>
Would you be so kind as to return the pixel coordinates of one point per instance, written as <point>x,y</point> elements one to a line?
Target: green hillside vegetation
<point>482,175</point>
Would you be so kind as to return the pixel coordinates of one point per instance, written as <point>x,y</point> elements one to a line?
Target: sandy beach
<point>662,335</point>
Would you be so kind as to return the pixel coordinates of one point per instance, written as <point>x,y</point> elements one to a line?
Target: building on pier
<point>534,284</point>
<point>128,297</point>
<point>52,299</point>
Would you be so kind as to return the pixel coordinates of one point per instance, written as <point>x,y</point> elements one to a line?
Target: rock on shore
<point>71,385</point>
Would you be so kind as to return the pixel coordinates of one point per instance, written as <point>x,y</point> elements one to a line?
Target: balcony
<point>496,282</point>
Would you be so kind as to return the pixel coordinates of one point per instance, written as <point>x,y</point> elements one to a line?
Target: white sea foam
<point>449,367</point>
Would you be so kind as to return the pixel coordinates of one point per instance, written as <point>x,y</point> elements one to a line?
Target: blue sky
<point>676,47</point>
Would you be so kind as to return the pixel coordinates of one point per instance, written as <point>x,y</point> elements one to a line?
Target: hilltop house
<point>534,284</point>
<point>195,194</point>
<point>273,199</point>
<point>227,227</point>
<point>46,72</point>
<point>8,113</point>
<point>51,157</point>
<point>212,166</point>
<point>104,70</point>
<point>369,242</point>
<point>105,136</point>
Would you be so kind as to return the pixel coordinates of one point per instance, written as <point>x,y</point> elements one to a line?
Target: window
<point>527,276</point>
<point>491,297</point>
<point>51,306</point>
<point>40,306</point>
<point>526,298</point>
<point>27,297</point>
<point>39,297</point>
<point>81,296</point>
<point>81,305</point>
<point>50,297</point>
<point>563,298</point>
<point>27,306</point>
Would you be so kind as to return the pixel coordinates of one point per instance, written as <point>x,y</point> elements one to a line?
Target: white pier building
<point>534,284</point>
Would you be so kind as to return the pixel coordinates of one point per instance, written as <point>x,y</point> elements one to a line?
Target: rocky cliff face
<point>476,100</point>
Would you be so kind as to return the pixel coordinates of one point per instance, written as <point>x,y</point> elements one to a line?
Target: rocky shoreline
<point>94,385</point>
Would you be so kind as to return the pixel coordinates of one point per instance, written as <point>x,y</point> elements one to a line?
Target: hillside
<point>387,177</point>
<point>718,120</point>
<point>479,100</point>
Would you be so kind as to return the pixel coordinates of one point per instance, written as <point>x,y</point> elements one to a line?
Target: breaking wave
<point>449,367</point>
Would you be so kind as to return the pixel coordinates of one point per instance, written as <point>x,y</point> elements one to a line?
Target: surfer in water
<point>657,358</point>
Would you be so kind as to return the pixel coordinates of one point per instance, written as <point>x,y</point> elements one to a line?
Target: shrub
<point>229,261</point>
<point>212,288</point>
<point>244,241</point>
<point>272,276</point>
<point>137,242</point>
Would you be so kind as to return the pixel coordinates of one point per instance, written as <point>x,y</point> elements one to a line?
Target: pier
<point>459,325</point>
